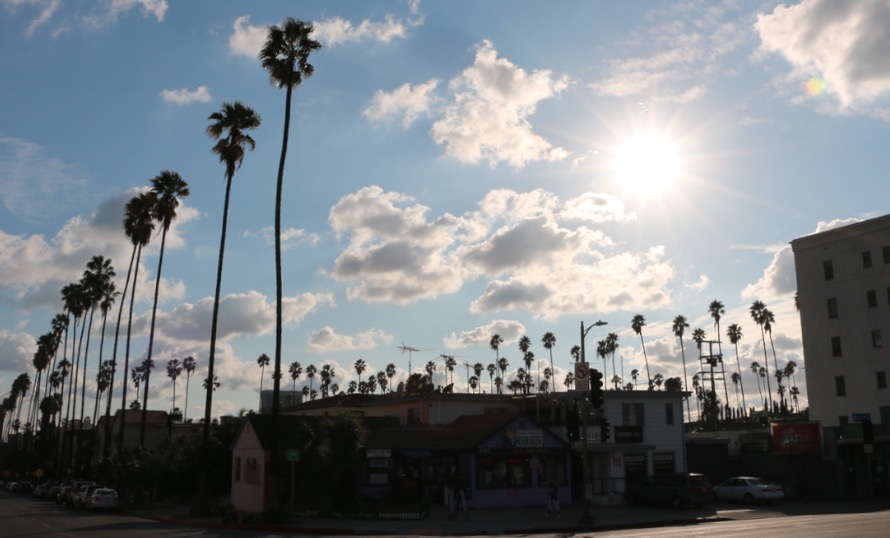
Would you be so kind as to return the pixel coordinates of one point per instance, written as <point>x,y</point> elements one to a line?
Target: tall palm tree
<point>390,373</point>
<point>491,368</point>
<point>602,352</point>
<point>755,369</point>
<point>262,361</point>
<point>295,371</point>
<point>285,56</point>
<point>229,128</point>
<point>174,370</point>
<point>98,274</point>
<point>429,369</point>
<point>311,370</point>
<point>716,310</point>
<point>168,188</point>
<point>188,365</point>
<point>360,367</point>
<point>450,365</point>
<point>637,324</point>
<point>611,348</point>
<point>495,344</point>
<point>758,314</point>
<point>575,352</point>
<point>635,374</point>
<point>788,371</point>
<point>502,365</point>
<point>138,226</point>
<point>679,328</point>
<point>103,382</point>
<point>528,358</point>
<point>734,333</point>
<point>768,319</point>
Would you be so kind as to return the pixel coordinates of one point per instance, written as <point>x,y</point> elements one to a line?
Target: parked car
<point>24,487</point>
<point>53,492</point>
<point>103,499</point>
<point>748,489</point>
<point>70,492</point>
<point>82,498</point>
<point>674,489</point>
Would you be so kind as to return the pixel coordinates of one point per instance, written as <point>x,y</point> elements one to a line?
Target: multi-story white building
<point>843,284</point>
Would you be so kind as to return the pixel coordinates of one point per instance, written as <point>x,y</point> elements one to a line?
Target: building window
<point>882,379</point>
<point>836,346</point>
<point>876,338</point>
<point>237,470</point>
<point>843,420</point>
<point>414,416</point>
<point>886,252</point>
<point>872,298</point>
<point>668,413</point>
<point>866,259</point>
<point>840,386</point>
<point>832,308</point>
<point>828,269</point>
<point>632,414</point>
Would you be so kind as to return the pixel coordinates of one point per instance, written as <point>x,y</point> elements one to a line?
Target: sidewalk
<point>487,521</point>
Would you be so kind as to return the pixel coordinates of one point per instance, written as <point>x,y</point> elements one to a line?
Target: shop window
<point>881,379</point>
<point>552,470</point>
<point>663,462</point>
<point>832,308</point>
<point>836,346</point>
<point>632,414</point>
<point>866,259</point>
<point>876,340</point>
<point>871,297</point>
<point>502,472</point>
<point>669,413</point>
<point>828,270</point>
<point>840,386</point>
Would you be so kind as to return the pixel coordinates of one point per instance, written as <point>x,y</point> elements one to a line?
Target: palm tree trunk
<point>685,386</point>
<point>106,449</point>
<point>86,355</point>
<point>151,337</point>
<point>127,348</point>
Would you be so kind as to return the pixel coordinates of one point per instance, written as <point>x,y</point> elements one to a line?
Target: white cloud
<point>488,119</point>
<point>840,45</point>
<point>99,13</point>
<point>509,330</point>
<point>16,351</point>
<point>778,279</point>
<point>337,30</point>
<point>246,40</point>
<point>184,96</point>
<point>290,237</point>
<point>326,339</point>
<point>699,284</point>
<point>406,101</point>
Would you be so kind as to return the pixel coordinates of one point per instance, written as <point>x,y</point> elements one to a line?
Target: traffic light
<point>573,425</point>
<point>605,431</point>
<point>596,389</point>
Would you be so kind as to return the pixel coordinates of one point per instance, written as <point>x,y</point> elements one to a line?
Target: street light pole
<point>586,517</point>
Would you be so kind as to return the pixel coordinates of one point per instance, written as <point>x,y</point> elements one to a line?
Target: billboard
<point>797,438</point>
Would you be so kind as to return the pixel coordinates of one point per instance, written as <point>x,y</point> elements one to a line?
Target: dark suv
<point>674,489</point>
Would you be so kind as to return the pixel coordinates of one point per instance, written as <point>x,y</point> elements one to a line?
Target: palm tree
<point>528,359</point>
<point>381,381</point>
<point>575,352</point>
<point>188,364</point>
<point>758,314</point>
<point>525,343</point>
<point>450,364</point>
<point>569,381</point>
<point>168,187</point>
<point>637,324</point>
<point>233,121</point>
<point>429,369</point>
<point>491,370</point>
<point>611,348</point>
<point>211,385</point>
<point>788,372</point>
<point>295,371</point>
<point>478,368</point>
<point>262,361</point>
<point>549,341</point>
<point>734,333</point>
<point>658,379</point>
<point>474,382</point>
<point>495,344</point>
<point>716,310</point>
<point>138,225</point>
<point>601,352</point>
<point>679,328</point>
<point>285,55</point>
<point>390,373</point>
<point>768,319</point>
<point>635,374</point>
<point>755,369</point>
<point>311,370</point>
<point>502,364</point>
<point>174,370</point>
<point>360,366</point>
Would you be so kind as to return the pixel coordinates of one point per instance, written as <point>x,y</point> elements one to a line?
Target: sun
<point>646,163</point>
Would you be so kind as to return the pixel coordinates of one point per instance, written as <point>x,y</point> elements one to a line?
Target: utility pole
<point>586,517</point>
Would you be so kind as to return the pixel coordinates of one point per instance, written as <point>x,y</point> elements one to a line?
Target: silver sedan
<point>748,489</point>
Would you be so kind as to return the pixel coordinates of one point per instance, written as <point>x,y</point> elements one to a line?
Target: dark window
<point>886,252</point>
<point>828,269</point>
<point>836,346</point>
<point>882,379</point>
<point>876,338</point>
<point>840,386</point>
<point>669,413</point>
<point>866,259</point>
<point>872,298</point>
<point>832,308</point>
<point>632,414</point>
<point>843,420</point>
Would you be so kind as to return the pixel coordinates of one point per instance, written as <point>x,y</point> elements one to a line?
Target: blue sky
<point>455,170</point>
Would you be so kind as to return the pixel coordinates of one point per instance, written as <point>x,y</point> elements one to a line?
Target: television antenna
<point>410,350</point>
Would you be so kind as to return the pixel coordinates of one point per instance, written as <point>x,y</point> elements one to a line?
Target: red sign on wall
<point>797,438</point>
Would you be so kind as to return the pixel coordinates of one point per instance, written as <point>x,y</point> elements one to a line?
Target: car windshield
<point>756,482</point>
<point>698,481</point>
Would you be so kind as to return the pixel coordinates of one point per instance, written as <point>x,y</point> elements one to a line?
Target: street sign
<point>292,454</point>
<point>582,376</point>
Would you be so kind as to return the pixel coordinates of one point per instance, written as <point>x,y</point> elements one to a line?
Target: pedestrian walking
<point>553,501</point>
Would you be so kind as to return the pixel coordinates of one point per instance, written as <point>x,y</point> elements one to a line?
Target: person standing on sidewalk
<point>553,501</point>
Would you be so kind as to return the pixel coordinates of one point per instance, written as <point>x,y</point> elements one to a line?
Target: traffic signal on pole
<point>573,425</point>
<point>596,389</point>
<point>605,431</point>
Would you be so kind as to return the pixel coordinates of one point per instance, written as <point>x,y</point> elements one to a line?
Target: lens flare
<point>815,86</point>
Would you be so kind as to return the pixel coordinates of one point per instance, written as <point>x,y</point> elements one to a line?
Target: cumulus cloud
<point>516,240</point>
<point>16,351</point>
<point>406,101</point>
<point>840,44</point>
<point>184,96</point>
<point>689,42</point>
<point>488,117</point>
<point>509,330</point>
<point>326,339</point>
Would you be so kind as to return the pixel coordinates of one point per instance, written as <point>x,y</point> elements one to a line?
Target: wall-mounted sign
<point>627,434</point>
<point>797,438</point>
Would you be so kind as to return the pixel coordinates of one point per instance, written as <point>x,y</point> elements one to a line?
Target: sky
<point>455,170</point>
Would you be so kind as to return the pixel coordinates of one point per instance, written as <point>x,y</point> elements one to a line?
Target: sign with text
<point>582,376</point>
<point>528,438</point>
<point>797,438</point>
<point>627,434</point>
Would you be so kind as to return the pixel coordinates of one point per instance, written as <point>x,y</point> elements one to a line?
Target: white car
<point>103,499</point>
<point>748,489</point>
